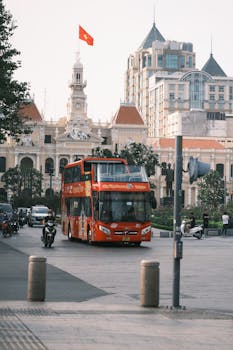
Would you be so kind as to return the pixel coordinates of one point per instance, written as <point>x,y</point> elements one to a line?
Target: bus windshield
<point>123,207</point>
<point>110,172</point>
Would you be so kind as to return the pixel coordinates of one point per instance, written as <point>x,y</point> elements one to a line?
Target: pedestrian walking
<point>205,218</point>
<point>225,223</point>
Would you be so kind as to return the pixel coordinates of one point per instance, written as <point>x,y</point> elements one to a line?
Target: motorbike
<point>49,234</point>
<point>14,226</point>
<point>6,228</point>
<point>196,231</point>
<point>22,221</point>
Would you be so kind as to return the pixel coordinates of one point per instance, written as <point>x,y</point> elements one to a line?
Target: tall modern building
<point>195,103</point>
<point>172,95</point>
<point>155,54</point>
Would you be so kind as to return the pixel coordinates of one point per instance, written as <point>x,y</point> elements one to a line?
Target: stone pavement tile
<point>92,326</point>
<point>117,331</point>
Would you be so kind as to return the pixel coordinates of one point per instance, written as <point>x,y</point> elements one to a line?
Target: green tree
<point>211,191</point>
<point>102,153</point>
<point>22,182</point>
<point>12,93</point>
<point>140,154</point>
<point>134,153</point>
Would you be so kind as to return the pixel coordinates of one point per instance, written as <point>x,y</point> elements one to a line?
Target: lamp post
<point>177,244</point>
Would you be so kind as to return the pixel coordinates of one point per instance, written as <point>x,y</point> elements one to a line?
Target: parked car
<point>37,215</point>
<point>5,207</point>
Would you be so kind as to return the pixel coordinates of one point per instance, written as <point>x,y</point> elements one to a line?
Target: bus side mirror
<point>153,200</point>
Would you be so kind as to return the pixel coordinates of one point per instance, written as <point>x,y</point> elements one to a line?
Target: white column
<point>189,195</point>
<point>16,159</point>
<point>37,162</point>
<point>227,170</point>
<point>56,166</point>
<point>196,195</point>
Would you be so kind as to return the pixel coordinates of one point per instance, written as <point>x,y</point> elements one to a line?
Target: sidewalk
<point>98,320</point>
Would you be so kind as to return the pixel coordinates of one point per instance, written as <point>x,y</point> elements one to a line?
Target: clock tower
<point>78,124</point>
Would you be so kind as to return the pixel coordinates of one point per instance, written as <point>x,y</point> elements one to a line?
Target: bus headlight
<point>146,230</point>
<point>104,230</point>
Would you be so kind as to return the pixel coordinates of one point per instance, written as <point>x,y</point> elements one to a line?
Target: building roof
<point>189,143</point>
<point>30,111</point>
<point>213,68</point>
<point>153,35</point>
<point>128,114</point>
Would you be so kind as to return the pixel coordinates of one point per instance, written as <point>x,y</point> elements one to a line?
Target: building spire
<point>211,45</point>
<point>154,14</point>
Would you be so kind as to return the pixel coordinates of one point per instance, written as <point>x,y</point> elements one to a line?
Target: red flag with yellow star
<point>83,35</point>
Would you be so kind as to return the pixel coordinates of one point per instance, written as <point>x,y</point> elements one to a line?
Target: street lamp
<point>177,242</point>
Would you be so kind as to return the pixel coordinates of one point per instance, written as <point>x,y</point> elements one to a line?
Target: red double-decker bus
<point>106,200</point>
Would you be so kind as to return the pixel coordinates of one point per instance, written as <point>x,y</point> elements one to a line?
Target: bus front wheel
<point>70,238</point>
<point>89,236</point>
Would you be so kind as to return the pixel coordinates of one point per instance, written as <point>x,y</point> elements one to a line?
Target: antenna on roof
<point>211,44</point>
<point>154,13</point>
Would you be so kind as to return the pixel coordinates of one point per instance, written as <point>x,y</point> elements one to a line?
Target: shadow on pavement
<point>60,285</point>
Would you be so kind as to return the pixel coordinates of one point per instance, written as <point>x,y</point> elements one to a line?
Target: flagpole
<point>79,44</point>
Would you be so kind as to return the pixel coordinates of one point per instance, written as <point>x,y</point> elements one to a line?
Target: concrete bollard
<point>149,283</point>
<point>36,278</point>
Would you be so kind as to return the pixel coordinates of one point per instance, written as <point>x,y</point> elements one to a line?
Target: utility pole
<point>177,243</point>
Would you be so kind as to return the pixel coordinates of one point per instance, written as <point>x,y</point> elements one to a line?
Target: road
<point>205,278</point>
<point>92,296</point>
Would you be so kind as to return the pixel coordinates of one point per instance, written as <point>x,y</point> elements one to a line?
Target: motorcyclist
<point>15,217</point>
<point>190,223</point>
<point>21,218</point>
<point>192,220</point>
<point>15,221</point>
<point>49,217</point>
<point>5,216</point>
<point>6,223</point>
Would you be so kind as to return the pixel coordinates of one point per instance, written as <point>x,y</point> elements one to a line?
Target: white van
<point>37,215</point>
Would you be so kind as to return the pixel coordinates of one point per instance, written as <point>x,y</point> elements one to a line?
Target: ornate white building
<point>52,145</point>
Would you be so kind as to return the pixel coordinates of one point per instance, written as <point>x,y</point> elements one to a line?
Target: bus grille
<point>125,232</point>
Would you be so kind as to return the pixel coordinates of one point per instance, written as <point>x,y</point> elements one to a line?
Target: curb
<point>169,234</point>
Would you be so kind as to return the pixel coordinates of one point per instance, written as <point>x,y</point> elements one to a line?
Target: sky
<point>47,38</point>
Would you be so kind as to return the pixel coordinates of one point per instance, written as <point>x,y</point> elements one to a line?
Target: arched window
<point>49,192</point>
<point>62,164</point>
<point>49,165</point>
<point>197,83</point>
<point>2,164</point>
<point>78,77</point>
<point>220,169</point>
<point>26,162</point>
<point>3,195</point>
